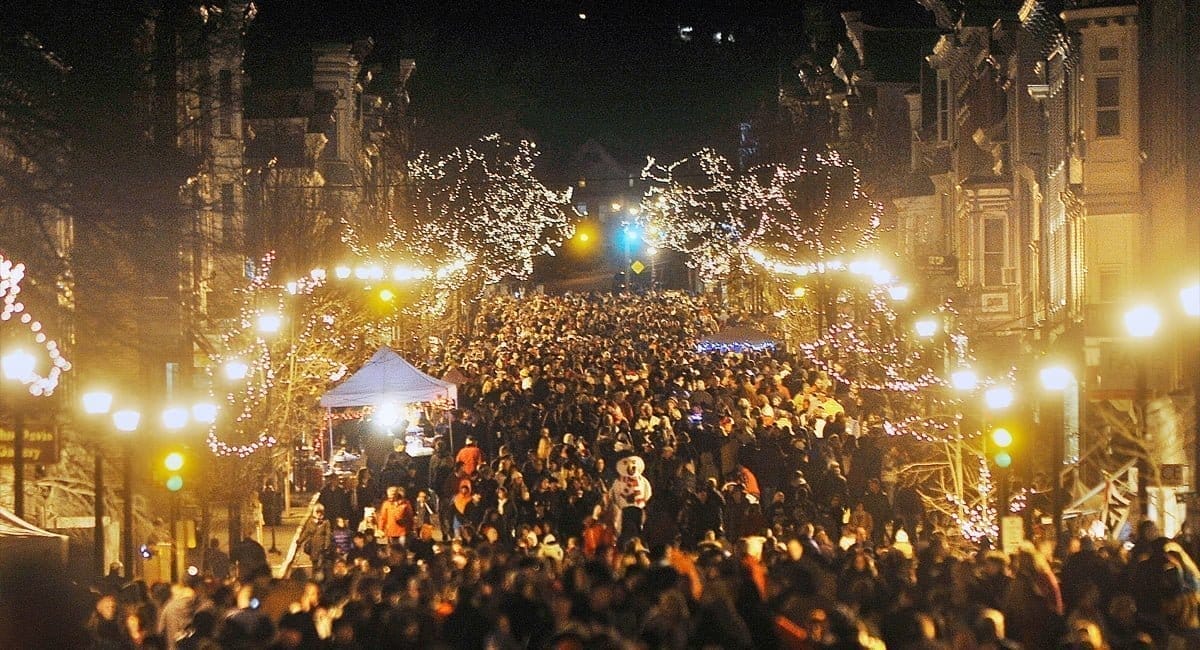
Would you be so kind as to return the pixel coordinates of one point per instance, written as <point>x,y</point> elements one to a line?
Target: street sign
<point>1012,533</point>
<point>637,266</point>
<point>41,447</point>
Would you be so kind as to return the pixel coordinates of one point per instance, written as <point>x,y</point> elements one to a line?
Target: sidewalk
<point>283,534</point>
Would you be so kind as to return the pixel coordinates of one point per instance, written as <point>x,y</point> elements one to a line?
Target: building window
<point>581,208</point>
<point>1112,285</point>
<point>943,109</point>
<point>994,253</point>
<point>1108,106</point>
<point>1110,53</point>
<point>225,90</point>
<point>228,214</point>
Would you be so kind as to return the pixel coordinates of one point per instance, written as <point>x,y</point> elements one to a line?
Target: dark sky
<point>531,68</point>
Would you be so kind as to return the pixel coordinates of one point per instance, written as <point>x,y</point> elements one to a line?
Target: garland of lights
<point>769,212</point>
<point>11,275</point>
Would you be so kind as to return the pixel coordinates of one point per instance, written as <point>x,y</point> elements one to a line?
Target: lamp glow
<point>964,379</point>
<point>388,414</point>
<point>173,461</point>
<point>999,397</point>
<point>204,412</point>
<point>126,420</point>
<point>1055,378</point>
<point>898,292</point>
<point>342,272</point>
<point>1189,297</point>
<point>269,323</point>
<point>926,327</point>
<point>18,365</point>
<point>236,370</point>
<point>97,402</point>
<point>799,292</point>
<point>1001,437</point>
<point>1142,321</point>
<point>174,417</point>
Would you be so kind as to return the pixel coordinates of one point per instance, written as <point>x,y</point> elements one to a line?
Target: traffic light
<point>1002,439</point>
<point>174,462</point>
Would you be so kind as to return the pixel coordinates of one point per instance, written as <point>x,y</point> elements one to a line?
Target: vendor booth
<point>737,338</point>
<point>23,543</point>
<point>396,394</point>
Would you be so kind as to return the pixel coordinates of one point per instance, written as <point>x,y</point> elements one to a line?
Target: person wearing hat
<point>316,538</point>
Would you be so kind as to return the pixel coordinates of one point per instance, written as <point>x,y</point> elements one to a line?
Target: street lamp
<point>1056,380</point>
<point>898,292</point>
<point>1142,321</point>
<point>926,327</point>
<point>269,323</point>
<point>998,398</point>
<point>126,421</point>
<point>1189,299</point>
<point>964,379</point>
<point>18,366</point>
<point>236,370</point>
<point>175,418</point>
<point>96,403</point>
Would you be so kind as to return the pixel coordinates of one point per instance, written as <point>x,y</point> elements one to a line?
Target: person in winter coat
<point>395,516</point>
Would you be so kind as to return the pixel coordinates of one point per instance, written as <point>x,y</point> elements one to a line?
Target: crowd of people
<point>604,482</point>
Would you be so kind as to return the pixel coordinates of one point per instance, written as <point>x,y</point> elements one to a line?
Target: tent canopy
<point>387,377</point>
<point>22,541</point>
<point>736,338</point>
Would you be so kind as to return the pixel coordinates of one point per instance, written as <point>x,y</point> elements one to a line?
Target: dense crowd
<point>606,483</point>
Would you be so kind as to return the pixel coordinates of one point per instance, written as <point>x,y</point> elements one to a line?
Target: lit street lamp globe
<point>964,379</point>
<point>1142,321</point>
<point>926,327</point>
<point>999,397</point>
<point>1189,297</point>
<point>1056,378</point>
<point>97,402</point>
<point>126,420</point>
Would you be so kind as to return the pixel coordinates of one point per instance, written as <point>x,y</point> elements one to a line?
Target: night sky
<point>624,75</point>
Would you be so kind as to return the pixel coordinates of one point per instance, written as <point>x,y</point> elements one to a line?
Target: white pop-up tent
<point>388,378</point>
<point>21,541</point>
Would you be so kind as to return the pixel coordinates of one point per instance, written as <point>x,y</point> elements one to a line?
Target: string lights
<point>11,307</point>
<point>800,215</point>
<point>478,214</point>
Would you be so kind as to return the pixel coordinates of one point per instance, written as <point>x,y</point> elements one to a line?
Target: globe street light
<point>964,379</point>
<point>898,292</point>
<point>126,421</point>
<point>204,412</point>
<point>926,327</point>
<point>998,398</point>
<point>1189,298</point>
<point>269,323</point>
<point>175,418</point>
<point>1142,321</point>
<point>1055,378</point>
<point>236,370</point>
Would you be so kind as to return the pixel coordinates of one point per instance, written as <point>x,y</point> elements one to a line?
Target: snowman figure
<point>629,494</point>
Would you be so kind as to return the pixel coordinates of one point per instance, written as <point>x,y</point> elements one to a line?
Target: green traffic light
<point>1002,459</point>
<point>175,483</point>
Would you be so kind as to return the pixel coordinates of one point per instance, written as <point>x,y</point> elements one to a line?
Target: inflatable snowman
<point>629,494</point>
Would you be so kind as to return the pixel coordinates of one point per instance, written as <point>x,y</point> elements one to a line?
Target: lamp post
<point>126,421</point>
<point>18,366</point>
<point>1056,379</point>
<point>95,404</point>
<point>1142,323</point>
<point>996,399</point>
<point>1189,299</point>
